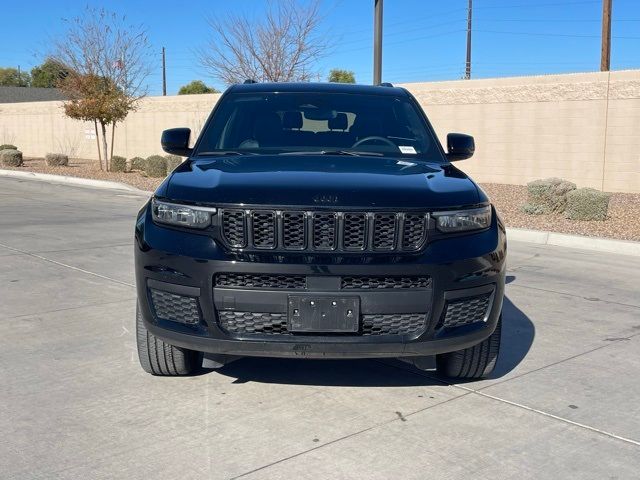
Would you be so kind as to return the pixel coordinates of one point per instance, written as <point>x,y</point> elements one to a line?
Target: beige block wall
<point>582,127</point>
<point>41,127</point>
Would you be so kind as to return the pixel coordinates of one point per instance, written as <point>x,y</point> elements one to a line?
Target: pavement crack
<point>526,407</point>
<point>77,269</point>
<point>70,308</point>
<point>351,435</point>
<point>128,244</point>
<point>518,285</point>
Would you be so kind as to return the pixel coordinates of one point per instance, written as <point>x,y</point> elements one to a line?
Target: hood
<point>321,180</point>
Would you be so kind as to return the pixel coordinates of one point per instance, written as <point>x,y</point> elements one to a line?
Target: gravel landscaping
<point>623,221</point>
<point>88,169</point>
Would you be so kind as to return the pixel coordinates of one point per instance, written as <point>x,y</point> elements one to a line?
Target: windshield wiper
<point>353,153</point>
<point>224,153</point>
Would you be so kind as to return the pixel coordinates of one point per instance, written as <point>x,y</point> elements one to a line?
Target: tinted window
<point>299,122</point>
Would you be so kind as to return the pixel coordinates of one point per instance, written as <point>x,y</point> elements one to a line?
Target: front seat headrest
<point>338,123</point>
<point>267,127</point>
<point>292,120</point>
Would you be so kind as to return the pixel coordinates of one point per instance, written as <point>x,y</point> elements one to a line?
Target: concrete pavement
<point>74,402</point>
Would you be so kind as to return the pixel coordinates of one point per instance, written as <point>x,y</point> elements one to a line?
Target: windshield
<point>324,123</point>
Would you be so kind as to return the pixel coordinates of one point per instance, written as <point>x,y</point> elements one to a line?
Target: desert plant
<point>173,161</point>
<point>155,166</point>
<point>11,157</point>
<point>7,146</point>
<point>587,204</point>
<point>137,163</point>
<point>118,164</point>
<point>547,196</point>
<point>56,159</point>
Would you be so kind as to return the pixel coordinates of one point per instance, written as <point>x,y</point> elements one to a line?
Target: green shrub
<point>118,164</point>
<point>547,196</point>
<point>156,166</point>
<point>11,158</point>
<point>587,204</point>
<point>8,146</point>
<point>172,162</point>
<point>531,209</point>
<point>56,159</point>
<point>137,163</point>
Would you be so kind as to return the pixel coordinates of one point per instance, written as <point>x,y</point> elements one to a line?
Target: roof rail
<point>386,84</point>
<point>249,80</point>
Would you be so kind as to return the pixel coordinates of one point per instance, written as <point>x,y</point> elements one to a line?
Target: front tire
<point>159,358</point>
<point>473,362</point>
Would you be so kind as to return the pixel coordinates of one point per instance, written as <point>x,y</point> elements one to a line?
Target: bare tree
<point>108,63</point>
<point>284,45</point>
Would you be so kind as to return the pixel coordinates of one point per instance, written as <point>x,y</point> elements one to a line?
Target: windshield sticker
<point>407,149</point>
<point>405,164</point>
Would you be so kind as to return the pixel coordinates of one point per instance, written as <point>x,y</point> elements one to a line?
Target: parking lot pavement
<point>74,403</point>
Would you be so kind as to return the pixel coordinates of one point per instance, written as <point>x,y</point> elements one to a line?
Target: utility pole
<point>377,42</point>
<point>164,75</point>
<point>467,73</point>
<point>605,54</point>
<point>19,77</point>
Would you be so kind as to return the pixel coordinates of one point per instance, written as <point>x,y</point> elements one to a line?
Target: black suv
<point>319,221</point>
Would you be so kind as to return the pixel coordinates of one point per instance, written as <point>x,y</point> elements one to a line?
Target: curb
<point>78,181</point>
<point>596,244</point>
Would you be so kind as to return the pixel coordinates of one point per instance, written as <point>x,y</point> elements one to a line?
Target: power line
<point>539,34</point>
<point>536,5</point>
<point>552,20</point>
<point>406,40</point>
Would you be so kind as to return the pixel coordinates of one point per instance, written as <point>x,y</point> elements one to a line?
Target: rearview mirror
<point>176,141</point>
<point>459,146</point>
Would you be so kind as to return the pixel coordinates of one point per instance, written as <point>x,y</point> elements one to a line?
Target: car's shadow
<point>518,333</point>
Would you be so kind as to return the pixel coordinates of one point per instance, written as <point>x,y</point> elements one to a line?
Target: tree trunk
<point>113,134</point>
<point>95,124</point>
<point>104,145</point>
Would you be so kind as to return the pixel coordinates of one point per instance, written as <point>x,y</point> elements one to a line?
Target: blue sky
<point>423,39</point>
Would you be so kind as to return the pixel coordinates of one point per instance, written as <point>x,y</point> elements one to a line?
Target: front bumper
<point>182,263</point>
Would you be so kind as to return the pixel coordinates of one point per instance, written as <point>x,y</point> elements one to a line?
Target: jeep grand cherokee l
<point>319,221</point>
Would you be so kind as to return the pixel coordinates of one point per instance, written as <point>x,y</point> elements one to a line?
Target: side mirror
<point>176,141</point>
<point>459,146</point>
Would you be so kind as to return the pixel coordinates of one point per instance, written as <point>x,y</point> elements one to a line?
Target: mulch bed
<point>623,221</point>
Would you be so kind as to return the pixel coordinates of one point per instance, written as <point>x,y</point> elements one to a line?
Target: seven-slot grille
<point>324,231</point>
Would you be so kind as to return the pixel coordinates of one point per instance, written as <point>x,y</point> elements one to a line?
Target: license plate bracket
<point>318,314</point>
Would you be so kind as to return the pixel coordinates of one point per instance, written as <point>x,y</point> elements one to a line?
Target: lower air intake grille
<point>247,323</point>
<point>362,282</point>
<point>394,324</point>
<point>177,308</point>
<point>249,280</point>
<point>466,310</point>
<point>253,322</point>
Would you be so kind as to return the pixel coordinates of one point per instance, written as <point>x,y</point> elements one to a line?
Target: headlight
<point>181,215</point>
<point>463,220</point>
